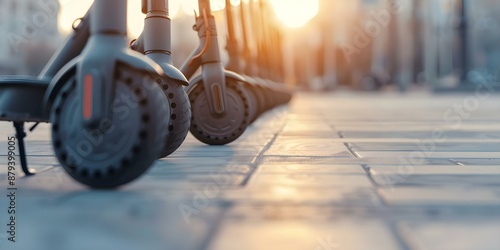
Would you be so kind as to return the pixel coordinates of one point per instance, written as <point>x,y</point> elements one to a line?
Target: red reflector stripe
<point>87,97</point>
<point>217,98</point>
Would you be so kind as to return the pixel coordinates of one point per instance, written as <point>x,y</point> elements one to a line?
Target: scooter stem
<point>232,43</point>
<point>214,78</point>
<point>96,71</point>
<point>207,55</point>
<point>158,46</point>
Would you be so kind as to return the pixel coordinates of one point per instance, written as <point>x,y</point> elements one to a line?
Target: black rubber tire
<point>262,99</point>
<point>180,116</point>
<point>257,101</point>
<point>270,98</point>
<point>128,145</point>
<point>230,133</point>
<point>252,102</point>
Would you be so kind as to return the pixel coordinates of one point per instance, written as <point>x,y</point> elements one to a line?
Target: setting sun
<point>295,14</point>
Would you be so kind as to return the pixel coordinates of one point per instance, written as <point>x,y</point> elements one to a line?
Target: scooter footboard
<point>21,99</point>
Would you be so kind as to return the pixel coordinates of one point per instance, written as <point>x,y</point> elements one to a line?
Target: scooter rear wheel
<point>219,130</point>
<point>121,148</point>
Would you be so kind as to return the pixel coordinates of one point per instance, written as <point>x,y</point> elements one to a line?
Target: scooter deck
<point>21,99</point>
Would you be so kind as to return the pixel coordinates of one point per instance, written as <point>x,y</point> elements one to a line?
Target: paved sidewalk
<point>331,171</point>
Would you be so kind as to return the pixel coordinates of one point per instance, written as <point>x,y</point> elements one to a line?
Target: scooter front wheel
<point>219,129</point>
<point>124,145</point>
<point>180,116</point>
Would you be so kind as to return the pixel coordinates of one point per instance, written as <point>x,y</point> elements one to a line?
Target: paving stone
<point>434,170</point>
<point>311,196</point>
<point>108,221</point>
<point>452,176</point>
<point>337,160</point>
<point>293,146</point>
<point>456,234</point>
<point>428,154</point>
<point>172,179</point>
<point>409,140</point>
<point>207,151</point>
<point>186,167</point>
<point>424,145</point>
<point>423,125</point>
<point>429,180</point>
<point>478,161</point>
<point>311,168</point>
<point>313,129</point>
<point>436,196</point>
<point>276,234</point>
<point>208,161</point>
<point>300,212</point>
<point>417,135</point>
<point>311,180</point>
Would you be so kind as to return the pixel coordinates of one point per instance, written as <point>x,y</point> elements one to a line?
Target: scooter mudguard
<point>138,61</point>
<point>170,71</point>
<point>174,74</point>
<point>96,74</point>
<point>227,73</point>
<point>235,76</point>
<point>96,78</point>
<point>57,82</point>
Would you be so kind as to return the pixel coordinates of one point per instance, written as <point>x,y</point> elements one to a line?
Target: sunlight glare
<point>284,192</point>
<point>174,7</point>
<point>189,5</point>
<point>297,13</point>
<point>235,2</point>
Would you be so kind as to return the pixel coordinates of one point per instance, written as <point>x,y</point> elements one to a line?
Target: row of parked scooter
<point>116,107</point>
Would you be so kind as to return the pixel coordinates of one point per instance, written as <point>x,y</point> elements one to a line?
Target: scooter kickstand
<point>20,134</point>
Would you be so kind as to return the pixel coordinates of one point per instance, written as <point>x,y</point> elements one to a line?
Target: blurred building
<point>29,35</point>
<point>368,44</point>
<point>348,43</point>
<point>462,42</point>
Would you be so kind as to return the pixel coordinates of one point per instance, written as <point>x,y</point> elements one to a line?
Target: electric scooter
<point>156,44</point>
<point>262,53</point>
<point>248,61</point>
<point>109,106</point>
<point>235,64</point>
<point>221,106</point>
<point>223,103</point>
